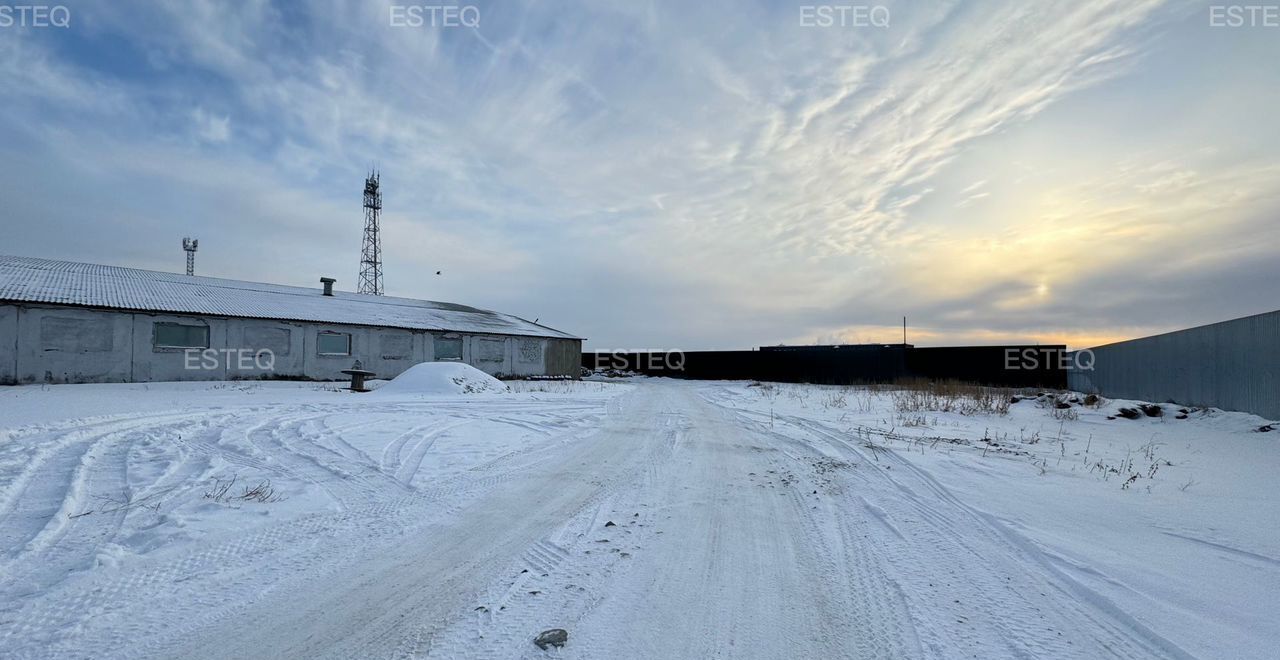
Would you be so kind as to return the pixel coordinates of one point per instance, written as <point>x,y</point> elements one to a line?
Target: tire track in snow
<point>133,606</point>
<point>285,442</point>
<point>872,608</point>
<point>558,578</point>
<point>55,495</point>
<point>720,569</point>
<point>95,500</point>
<point>431,567</point>
<point>330,444</point>
<point>55,452</point>
<point>413,462</point>
<point>390,461</point>
<point>136,603</point>
<point>866,606</point>
<point>990,587</point>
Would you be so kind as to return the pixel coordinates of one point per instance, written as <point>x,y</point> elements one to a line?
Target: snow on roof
<point>26,279</point>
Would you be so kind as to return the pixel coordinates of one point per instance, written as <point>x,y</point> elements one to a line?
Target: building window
<point>491,350</point>
<point>76,335</point>
<point>333,343</point>
<point>177,335</point>
<point>276,340</point>
<point>395,346</point>
<point>448,348</point>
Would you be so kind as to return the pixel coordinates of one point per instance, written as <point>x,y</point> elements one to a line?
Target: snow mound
<point>442,378</point>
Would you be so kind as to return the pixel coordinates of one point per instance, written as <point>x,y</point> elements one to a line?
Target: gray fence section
<point>1233,365</point>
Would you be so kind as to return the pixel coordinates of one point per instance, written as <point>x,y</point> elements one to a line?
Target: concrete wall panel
<point>157,363</point>
<point>385,351</point>
<point>329,367</point>
<point>265,349</point>
<point>8,345</point>
<point>393,351</point>
<point>71,345</point>
<point>489,354</point>
<point>528,356</point>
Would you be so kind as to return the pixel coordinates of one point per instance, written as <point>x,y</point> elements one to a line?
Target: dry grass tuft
<point>917,396</point>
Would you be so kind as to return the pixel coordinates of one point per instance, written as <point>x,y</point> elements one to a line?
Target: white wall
<point>528,356</point>
<point>501,355</point>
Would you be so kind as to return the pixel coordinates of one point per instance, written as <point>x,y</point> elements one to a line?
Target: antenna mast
<point>190,245</point>
<point>371,252</point>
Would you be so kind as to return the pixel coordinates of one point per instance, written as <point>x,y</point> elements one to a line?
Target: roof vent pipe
<point>328,285</point>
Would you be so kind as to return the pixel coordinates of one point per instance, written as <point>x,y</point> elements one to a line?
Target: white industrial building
<point>67,322</point>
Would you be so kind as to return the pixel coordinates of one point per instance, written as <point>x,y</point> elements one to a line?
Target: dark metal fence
<point>1008,366</point>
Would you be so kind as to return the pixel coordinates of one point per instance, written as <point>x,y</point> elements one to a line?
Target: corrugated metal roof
<point>26,279</point>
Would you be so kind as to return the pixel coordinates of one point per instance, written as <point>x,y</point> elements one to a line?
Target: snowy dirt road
<point>653,520</point>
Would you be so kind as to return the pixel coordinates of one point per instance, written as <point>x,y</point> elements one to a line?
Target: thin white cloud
<point>209,127</point>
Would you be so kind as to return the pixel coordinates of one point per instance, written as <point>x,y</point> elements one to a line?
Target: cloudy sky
<point>717,174</point>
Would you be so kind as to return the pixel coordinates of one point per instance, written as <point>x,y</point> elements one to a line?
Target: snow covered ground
<point>649,518</point>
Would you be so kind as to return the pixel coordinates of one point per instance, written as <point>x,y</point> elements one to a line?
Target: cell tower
<point>190,245</point>
<point>371,252</point>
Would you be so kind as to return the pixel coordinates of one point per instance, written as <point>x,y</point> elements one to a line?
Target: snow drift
<point>442,378</point>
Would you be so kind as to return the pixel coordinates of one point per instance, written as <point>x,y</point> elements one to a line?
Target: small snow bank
<point>441,378</point>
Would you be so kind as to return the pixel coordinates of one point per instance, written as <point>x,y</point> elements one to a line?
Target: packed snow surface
<point>647,519</point>
<point>441,378</point>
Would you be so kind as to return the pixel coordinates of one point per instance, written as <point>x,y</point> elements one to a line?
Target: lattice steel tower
<point>190,246</point>
<point>371,252</point>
